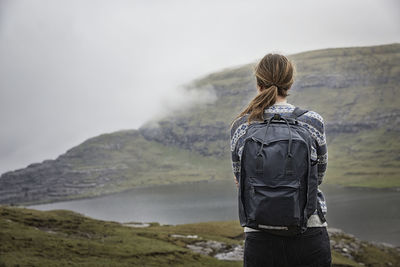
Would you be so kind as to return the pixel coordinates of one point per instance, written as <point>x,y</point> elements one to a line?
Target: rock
<point>136,225</point>
<point>200,249</point>
<point>217,249</point>
<point>184,236</point>
<point>236,254</point>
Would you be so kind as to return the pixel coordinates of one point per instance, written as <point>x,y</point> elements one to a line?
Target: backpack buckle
<point>277,117</point>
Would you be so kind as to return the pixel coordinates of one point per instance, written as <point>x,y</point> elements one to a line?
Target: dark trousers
<point>312,248</point>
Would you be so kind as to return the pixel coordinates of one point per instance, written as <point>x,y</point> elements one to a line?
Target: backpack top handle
<point>297,112</point>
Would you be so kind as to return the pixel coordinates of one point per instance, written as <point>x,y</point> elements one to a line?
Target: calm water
<point>372,215</point>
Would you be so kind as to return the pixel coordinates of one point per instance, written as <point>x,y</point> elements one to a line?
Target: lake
<point>368,214</point>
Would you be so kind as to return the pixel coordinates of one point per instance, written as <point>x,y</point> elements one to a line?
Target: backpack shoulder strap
<point>297,112</point>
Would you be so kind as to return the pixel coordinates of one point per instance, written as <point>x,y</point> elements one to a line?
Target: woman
<point>274,77</point>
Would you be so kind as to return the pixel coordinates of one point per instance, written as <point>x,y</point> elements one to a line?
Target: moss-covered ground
<point>65,238</point>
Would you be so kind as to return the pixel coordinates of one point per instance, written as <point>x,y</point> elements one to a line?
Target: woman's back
<point>313,122</point>
<point>274,75</point>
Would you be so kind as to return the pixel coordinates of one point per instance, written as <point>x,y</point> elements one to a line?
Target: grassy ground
<point>60,237</point>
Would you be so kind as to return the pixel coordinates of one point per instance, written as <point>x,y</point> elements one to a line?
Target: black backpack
<point>278,181</point>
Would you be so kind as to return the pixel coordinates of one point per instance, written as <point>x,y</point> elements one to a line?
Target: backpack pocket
<point>269,205</point>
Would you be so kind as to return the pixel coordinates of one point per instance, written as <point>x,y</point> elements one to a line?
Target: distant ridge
<point>355,89</point>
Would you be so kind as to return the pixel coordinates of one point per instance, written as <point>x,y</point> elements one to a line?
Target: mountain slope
<point>355,89</point>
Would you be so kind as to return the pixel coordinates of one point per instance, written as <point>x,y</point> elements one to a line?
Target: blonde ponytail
<point>274,76</point>
<point>263,100</point>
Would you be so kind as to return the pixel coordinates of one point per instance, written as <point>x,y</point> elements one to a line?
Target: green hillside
<point>60,237</point>
<point>355,89</point>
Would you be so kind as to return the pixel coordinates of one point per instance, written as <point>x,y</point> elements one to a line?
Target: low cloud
<point>188,96</point>
<point>185,97</point>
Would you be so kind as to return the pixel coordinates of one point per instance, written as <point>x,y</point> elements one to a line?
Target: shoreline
<point>359,188</point>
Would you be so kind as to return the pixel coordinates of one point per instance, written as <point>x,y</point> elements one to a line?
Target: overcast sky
<point>70,70</point>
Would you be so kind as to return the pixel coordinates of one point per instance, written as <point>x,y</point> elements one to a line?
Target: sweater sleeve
<point>236,165</point>
<point>238,130</point>
<point>322,155</point>
<point>234,155</point>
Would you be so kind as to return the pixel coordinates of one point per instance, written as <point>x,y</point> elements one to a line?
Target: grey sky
<point>70,70</point>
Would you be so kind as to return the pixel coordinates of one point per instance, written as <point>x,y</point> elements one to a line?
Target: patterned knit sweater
<point>313,122</point>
